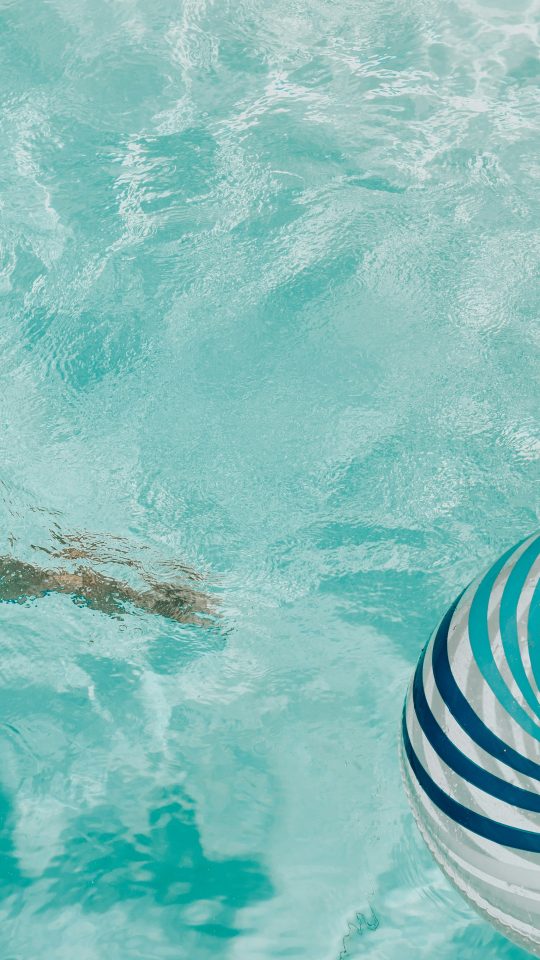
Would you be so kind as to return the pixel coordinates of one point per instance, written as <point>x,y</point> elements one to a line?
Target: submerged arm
<point>20,581</point>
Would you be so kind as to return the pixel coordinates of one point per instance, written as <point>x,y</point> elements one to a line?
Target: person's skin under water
<point>21,581</point>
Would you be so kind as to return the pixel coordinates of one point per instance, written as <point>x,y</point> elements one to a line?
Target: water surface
<point>269,276</point>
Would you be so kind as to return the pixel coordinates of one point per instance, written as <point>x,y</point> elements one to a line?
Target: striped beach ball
<point>470,744</point>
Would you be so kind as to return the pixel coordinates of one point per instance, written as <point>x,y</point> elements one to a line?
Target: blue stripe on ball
<point>500,833</point>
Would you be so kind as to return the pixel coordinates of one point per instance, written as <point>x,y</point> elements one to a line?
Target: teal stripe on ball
<point>469,744</point>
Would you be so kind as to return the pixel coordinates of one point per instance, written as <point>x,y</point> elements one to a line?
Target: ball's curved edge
<point>503,923</point>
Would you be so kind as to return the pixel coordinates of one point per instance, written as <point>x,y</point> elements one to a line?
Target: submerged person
<point>21,581</point>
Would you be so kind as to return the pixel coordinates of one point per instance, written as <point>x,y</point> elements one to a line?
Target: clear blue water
<point>270,309</point>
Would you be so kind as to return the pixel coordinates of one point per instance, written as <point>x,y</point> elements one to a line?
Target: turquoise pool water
<point>269,309</point>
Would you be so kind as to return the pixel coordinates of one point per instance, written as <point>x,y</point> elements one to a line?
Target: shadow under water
<point>103,861</point>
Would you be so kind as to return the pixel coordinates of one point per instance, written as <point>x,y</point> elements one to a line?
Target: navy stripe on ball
<point>458,761</point>
<point>508,621</point>
<point>462,711</point>
<point>499,833</point>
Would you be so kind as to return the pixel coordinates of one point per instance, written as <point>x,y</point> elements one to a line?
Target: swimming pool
<point>269,309</point>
